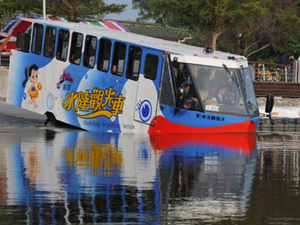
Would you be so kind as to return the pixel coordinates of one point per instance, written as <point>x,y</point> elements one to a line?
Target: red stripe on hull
<point>163,126</point>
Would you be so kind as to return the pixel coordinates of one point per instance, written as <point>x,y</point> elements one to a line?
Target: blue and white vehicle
<point>103,80</point>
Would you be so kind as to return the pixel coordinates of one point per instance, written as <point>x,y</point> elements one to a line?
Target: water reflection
<point>54,177</point>
<point>275,192</point>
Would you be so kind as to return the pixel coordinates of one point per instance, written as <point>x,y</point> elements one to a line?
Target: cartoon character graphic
<point>35,87</point>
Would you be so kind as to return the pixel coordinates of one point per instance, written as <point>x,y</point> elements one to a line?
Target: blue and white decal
<point>145,110</point>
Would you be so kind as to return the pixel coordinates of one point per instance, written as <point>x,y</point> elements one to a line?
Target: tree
<point>72,9</point>
<point>210,16</point>
<point>10,7</point>
<point>275,31</point>
<point>286,33</point>
<point>255,31</point>
<point>75,9</point>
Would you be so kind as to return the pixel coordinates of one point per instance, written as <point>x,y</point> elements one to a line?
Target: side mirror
<point>180,99</point>
<point>23,41</point>
<point>269,103</point>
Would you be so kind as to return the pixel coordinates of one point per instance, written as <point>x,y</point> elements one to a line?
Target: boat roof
<point>168,46</point>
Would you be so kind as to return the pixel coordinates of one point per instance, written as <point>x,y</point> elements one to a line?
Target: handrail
<point>268,63</point>
<point>268,71</point>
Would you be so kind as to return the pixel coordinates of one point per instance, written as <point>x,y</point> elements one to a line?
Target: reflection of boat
<point>243,142</point>
<point>126,178</point>
<point>214,192</point>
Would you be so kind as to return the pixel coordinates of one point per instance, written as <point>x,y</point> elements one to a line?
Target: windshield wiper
<point>230,75</point>
<point>226,68</point>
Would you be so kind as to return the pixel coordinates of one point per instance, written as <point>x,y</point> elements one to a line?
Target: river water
<point>62,176</point>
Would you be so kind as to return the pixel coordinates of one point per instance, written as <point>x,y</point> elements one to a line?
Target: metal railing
<point>273,72</point>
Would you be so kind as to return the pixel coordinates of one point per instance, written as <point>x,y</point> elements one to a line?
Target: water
<point>57,176</point>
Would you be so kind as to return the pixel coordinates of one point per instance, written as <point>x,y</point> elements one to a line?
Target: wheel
<point>269,76</point>
<point>277,77</point>
<point>51,121</point>
<point>258,77</point>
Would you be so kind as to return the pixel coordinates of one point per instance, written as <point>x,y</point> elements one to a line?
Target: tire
<point>268,76</point>
<point>259,77</point>
<point>277,77</point>
<point>51,121</point>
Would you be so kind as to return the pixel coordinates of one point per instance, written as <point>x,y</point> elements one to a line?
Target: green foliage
<point>9,7</point>
<point>255,28</point>
<point>258,29</point>
<point>73,9</point>
<point>76,9</point>
<point>209,16</point>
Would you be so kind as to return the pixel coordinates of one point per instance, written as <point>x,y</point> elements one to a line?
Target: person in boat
<point>181,76</point>
<point>48,51</point>
<point>190,101</point>
<point>114,69</point>
<point>220,96</point>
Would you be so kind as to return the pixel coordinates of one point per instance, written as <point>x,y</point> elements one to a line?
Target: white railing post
<point>264,73</point>
<point>298,71</point>
<point>285,73</point>
<point>44,9</point>
<point>294,72</point>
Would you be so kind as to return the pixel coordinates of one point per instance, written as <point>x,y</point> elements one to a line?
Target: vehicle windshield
<point>220,89</point>
<point>250,95</point>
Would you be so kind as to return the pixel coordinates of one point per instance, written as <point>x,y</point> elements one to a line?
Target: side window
<point>49,42</point>
<point>151,66</point>
<point>134,62</point>
<point>62,45</point>
<point>76,47</point>
<point>90,51</point>
<point>117,67</point>
<point>104,55</point>
<point>37,38</point>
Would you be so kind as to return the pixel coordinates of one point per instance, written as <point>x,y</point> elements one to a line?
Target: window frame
<point>116,57</point>
<point>59,42</point>
<point>89,51</point>
<point>131,61</point>
<point>73,52</point>
<point>51,42</point>
<point>101,54</point>
<point>145,67</point>
<point>34,39</point>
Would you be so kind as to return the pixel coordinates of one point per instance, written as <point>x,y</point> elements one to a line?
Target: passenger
<point>48,51</point>
<point>114,69</point>
<point>190,101</point>
<point>181,76</point>
<point>58,56</point>
<point>100,66</point>
<point>220,96</point>
<point>86,61</point>
<point>72,58</point>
